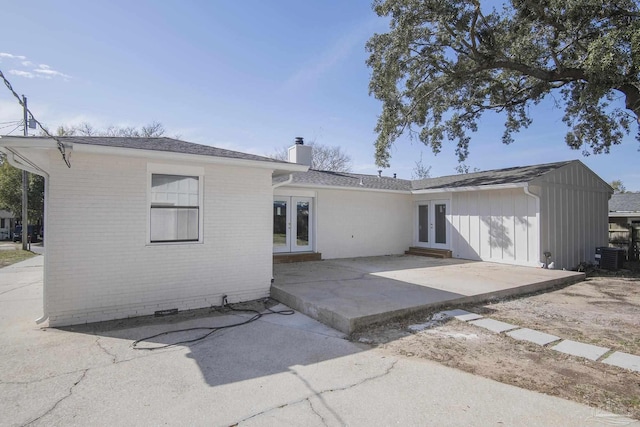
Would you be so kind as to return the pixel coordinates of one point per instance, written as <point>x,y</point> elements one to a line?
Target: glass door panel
<point>423,223</point>
<point>292,224</point>
<point>441,223</point>
<point>302,224</point>
<point>281,225</point>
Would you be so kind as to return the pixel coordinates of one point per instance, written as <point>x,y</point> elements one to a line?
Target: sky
<point>245,75</point>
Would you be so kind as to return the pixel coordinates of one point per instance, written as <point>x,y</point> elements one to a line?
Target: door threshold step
<point>284,258</point>
<point>429,252</point>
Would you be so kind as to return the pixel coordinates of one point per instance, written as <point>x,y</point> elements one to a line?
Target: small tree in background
<point>420,171</point>
<point>618,186</point>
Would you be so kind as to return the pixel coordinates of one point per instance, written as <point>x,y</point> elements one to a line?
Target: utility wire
<point>209,329</point>
<point>10,124</point>
<point>61,146</point>
<point>14,129</point>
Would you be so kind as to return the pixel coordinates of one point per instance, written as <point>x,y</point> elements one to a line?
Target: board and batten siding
<point>100,265</point>
<point>574,209</point>
<point>495,225</point>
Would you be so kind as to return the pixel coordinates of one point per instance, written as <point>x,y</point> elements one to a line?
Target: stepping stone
<point>526,334</point>
<point>463,315</point>
<point>623,360</point>
<point>494,325</point>
<point>588,351</point>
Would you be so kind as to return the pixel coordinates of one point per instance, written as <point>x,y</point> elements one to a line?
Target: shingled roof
<point>520,174</point>
<point>159,144</point>
<point>347,180</point>
<point>625,202</point>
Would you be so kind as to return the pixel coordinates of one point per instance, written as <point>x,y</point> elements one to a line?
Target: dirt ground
<point>604,311</point>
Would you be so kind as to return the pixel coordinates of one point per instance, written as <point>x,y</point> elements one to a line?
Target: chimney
<point>300,153</point>
<point>379,173</point>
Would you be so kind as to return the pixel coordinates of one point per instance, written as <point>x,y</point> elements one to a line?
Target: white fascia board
<point>337,187</point>
<point>471,188</point>
<point>278,167</point>
<point>8,141</point>
<point>623,214</point>
<point>170,155</point>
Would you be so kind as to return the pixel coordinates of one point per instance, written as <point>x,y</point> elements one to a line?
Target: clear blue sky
<point>246,75</point>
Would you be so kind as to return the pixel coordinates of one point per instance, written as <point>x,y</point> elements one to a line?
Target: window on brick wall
<point>175,208</point>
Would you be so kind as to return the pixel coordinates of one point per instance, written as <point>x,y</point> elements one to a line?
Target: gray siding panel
<point>574,212</point>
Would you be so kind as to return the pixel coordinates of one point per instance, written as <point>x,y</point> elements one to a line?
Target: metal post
<point>25,183</point>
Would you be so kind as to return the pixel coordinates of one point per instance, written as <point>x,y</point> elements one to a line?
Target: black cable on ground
<point>211,329</point>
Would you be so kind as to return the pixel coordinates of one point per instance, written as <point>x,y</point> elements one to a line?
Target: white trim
<point>623,214</point>
<point>278,167</point>
<point>294,192</point>
<point>156,168</point>
<point>470,188</point>
<point>337,187</point>
<point>280,184</point>
<point>33,168</point>
<point>173,156</point>
<point>536,257</point>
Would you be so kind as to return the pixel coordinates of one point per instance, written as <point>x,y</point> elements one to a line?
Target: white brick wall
<point>100,266</point>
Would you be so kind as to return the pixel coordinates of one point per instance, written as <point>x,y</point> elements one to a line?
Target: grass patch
<point>11,257</point>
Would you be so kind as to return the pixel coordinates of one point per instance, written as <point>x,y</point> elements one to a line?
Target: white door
<point>433,228</point>
<point>292,224</point>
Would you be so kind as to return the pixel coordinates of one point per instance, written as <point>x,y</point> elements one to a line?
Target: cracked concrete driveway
<point>279,370</point>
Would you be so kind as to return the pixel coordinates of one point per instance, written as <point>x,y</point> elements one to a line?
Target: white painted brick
<point>100,267</point>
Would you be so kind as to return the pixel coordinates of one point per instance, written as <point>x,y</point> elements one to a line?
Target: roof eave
<point>339,187</point>
<point>22,142</point>
<point>624,213</point>
<point>279,168</point>
<point>471,188</point>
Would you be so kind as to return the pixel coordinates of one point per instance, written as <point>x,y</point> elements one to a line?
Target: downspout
<point>537,199</point>
<point>280,184</point>
<point>31,167</point>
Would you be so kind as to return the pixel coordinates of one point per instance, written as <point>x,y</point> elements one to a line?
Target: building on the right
<point>624,223</point>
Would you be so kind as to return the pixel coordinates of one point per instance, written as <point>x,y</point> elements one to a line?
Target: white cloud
<point>42,71</point>
<point>21,73</point>
<point>11,56</point>
<point>47,73</point>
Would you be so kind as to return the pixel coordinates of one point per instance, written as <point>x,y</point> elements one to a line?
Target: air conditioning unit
<point>610,258</point>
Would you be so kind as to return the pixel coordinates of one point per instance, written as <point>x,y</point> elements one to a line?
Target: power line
<point>14,129</point>
<point>19,123</point>
<point>61,146</point>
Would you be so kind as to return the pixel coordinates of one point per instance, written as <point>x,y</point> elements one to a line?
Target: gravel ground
<point>602,310</point>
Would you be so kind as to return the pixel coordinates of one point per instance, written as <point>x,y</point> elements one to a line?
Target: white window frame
<point>180,170</point>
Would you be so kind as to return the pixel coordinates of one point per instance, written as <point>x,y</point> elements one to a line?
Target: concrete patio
<point>350,294</point>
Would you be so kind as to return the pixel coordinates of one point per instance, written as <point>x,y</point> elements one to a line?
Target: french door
<point>292,224</point>
<point>433,227</point>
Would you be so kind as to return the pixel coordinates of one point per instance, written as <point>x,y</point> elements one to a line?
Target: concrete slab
<point>279,370</point>
<point>623,360</point>
<point>462,315</point>
<point>274,371</point>
<point>530,335</point>
<point>350,294</point>
<point>588,351</point>
<point>493,325</point>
